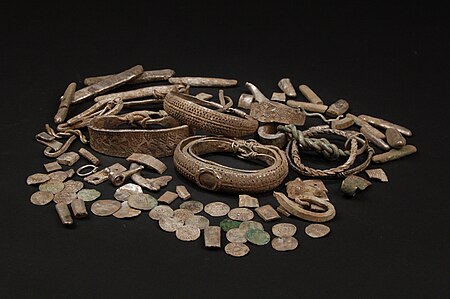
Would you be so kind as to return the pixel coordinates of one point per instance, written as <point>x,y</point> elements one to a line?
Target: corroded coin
<point>228,224</point>
<point>217,209</point>
<point>58,176</point>
<point>241,214</point>
<point>88,194</point>
<point>257,236</point>
<point>105,207</point>
<point>182,214</point>
<point>160,211</point>
<point>142,201</point>
<point>284,230</point>
<point>187,233</point>
<point>170,224</point>
<point>73,186</point>
<point>41,198</point>
<point>37,178</point>
<point>126,190</point>
<point>284,244</point>
<point>52,186</point>
<point>126,212</point>
<point>316,230</point>
<point>65,197</point>
<point>198,221</point>
<point>192,205</point>
<point>236,235</point>
<point>246,225</point>
<point>236,249</point>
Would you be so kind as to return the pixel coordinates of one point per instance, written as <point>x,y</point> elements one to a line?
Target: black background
<point>387,60</point>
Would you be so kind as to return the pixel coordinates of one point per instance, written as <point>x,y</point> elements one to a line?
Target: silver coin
<point>246,225</point>
<point>41,198</point>
<point>73,186</point>
<point>65,197</point>
<point>192,205</point>
<point>241,214</point>
<point>37,178</point>
<point>182,214</point>
<point>142,201</point>
<point>257,236</point>
<point>52,186</point>
<point>126,190</point>
<point>88,194</point>
<point>58,176</point>
<point>284,230</point>
<point>284,244</point>
<point>160,211</point>
<point>316,230</point>
<point>237,249</point>
<point>105,207</point>
<point>236,235</point>
<point>187,233</point>
<point>198,221</point>
<point>126,212</point>
<point>170,224</point>
<point>217,209</point>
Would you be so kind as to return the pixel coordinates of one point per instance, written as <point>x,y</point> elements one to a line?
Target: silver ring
<point>80,173</point>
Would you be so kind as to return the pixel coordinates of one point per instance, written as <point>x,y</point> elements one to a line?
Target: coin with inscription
<point>65,197</point>
<point>228,224</point>
<point>182,214</point>
<point>241,214</point>
<point>317,230</point>
<point>88,194</point>
<point>170,224</point>
<point>52,186</point>
<point>142,201</point>
<point>217,209</point>
<point>160,211</point>
<point>246,225</point>
<point>187,233</point>
<point>73,186</point>
<point>236,235</point>
<point>198,221</point>
<point>126,212</point>
<point>41,198</point>
<point>284,244</point>
<point>126,190</point>
<point>284,230</point>
<point>105,207</point>
<point>192,205</point>
<point>58,175</point>
<point>37,178</point>
<point>257,236</point>
<point>237,249</point>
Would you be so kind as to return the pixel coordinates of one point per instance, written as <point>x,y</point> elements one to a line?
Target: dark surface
<point>390,61</point>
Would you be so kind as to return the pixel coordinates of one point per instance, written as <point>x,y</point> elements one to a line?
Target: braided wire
<point>321,146</point>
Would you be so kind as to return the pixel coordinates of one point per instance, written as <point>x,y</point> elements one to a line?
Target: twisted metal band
<point>217,177</point>
<point>293,154</point>
<point>108,139</point>
<point>192,111</point>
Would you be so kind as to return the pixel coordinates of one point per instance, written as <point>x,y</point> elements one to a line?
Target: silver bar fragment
<point>203,81</point>
<point>309,94</point>
<point>145,77</point>
<point>65,102</point>
<point>378,142</point>
<point>158,92</point>
<point>395,154</point>
<point>310,107</point>
<point>89,156</point>
<point>286,86</point>
<point>107,84</point>
<point>78,208</point>
<point>385,124</point>
<point>64,214</point>
<point>212,236</point>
